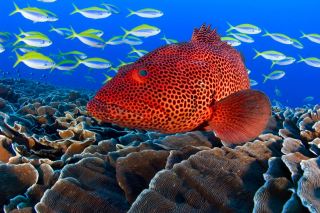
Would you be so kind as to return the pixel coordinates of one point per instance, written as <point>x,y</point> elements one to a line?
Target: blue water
<point>179,20</point>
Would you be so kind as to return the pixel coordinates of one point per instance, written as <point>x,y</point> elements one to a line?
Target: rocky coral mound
<point>56,158</point>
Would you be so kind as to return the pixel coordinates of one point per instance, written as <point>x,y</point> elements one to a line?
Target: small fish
<point>4,36</point>
<point>270,55</point>
<point>245,28</point>
<point>312,37</point>
<point>115,40</point>
<point>283,62</point>
<point>47,1</point>
<point>24,48</point>
<point>111,8</point>
<point>184,86</point>
<point>275,75</point>
<point>68,72</point>
<point>277,92</point>
<point>253,82</point>
<point>231,41</point>
<point>96,32</point>
<point>279,37</point>
<point>248,71</point>
<point>35,14</point>
<point>92,12</point>
<point>133,57</point>
<point>311,61</point>
<point>34,40</point>
<point>2,49</point>
<point>74,53</point>
<point>61,31</point>
<point>35,60</point>
<point>122,63</point>
<point>308,99</point>
<point>90,79</point>
<point>143,30</point>
<point>108,78</point>
<point>23,33</point>
<point>132,40</point>
<point>278,104</point>
<point>146,13</point>
<point>66,65</point>
<point>169,40</point>
<point>95,63</point>
<point>140,53</point>
<point>242,37</point>
<point>88,39</point>
<point>297,44</point>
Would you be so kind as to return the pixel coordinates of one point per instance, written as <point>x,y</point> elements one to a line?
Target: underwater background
<point>56,157</point>
<point>297,87</point>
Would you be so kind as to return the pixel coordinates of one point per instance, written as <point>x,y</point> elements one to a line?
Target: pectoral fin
<point>240,117</point>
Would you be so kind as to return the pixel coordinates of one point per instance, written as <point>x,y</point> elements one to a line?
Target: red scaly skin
<point>181,84</point>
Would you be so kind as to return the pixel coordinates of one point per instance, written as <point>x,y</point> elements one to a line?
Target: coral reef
<point>56,158</point>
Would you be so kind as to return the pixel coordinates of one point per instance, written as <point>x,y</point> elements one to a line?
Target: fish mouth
<point>112,113</point>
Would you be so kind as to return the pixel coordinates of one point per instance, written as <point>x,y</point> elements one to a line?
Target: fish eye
<point>143,73</point>
<point>140,76</point>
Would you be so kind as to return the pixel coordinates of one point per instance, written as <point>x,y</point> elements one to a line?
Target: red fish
<point>181,87</point>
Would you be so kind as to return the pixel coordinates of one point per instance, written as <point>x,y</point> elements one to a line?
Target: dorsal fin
<point>205,34</point>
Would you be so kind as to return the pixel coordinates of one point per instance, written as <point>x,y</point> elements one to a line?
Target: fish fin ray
<point>240,117</point>
<point>205,34</point>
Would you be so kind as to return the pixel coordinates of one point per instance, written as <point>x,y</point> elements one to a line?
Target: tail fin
<point>164,37</point>
<point>16,9</point>
<point>230,27</point>
<point>266,34</point>
<point>79,61</point>
<point>53,67</point>
<point>265,78</point>
<point>126,33</point>
<point>131,12</point>
<point>257,54</point>
<point>303,35</point>
<point>111,8</point>
<point>18,60</point>
<point>18,40</point>
<point>51,28</point>
<point>21,32</point>
<point>273,63</point>
<point>240,117</point>
<point>76,9</point>
<point>73,35</point>
<point>301,59</point>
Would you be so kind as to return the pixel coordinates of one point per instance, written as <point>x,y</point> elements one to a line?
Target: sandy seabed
<point>56,158</point>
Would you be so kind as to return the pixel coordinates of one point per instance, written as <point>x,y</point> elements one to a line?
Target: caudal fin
<point>303,35</point>
<point>76,9</point>
<point>131,12</point>
<point>240,117</point>
<point>16,9</point>
<point>18,60</point>
<point>17,41</point>
<point>301,59</point>
<point>73,34</point>
<point>257,54</point>
<point>266,33</point>
<point>230,27</point>
<point>126,32</point>
<point>265,78</point>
